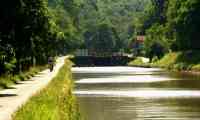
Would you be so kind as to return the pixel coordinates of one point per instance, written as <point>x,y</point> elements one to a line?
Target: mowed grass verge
<point>55,102</point>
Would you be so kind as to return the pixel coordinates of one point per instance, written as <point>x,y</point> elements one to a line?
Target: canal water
<point>129,93</point>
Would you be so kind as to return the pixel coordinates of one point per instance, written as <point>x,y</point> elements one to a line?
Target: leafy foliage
<point>30,31</point>
<point>119,14</point>
<point>173,24</point>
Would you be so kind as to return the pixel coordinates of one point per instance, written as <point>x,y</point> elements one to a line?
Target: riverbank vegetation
<point>8,80</point>
<point>55,102</point>
<point>187,61</point>
<point>31,31</point>
<point>178,61</point>
<point>171,31</point>
<point>138,62</point>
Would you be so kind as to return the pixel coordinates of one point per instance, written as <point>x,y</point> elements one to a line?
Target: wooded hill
<point>109,24</point>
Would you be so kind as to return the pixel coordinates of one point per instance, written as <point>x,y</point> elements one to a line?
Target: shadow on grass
<point>19,83</point>
<point>189,57</point>
<point>8,95</point>
<point>10,87</point>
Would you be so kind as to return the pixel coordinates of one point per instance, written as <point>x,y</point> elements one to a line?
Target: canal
<point>129,93</point>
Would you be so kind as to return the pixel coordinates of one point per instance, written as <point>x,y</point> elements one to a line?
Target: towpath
<point>12,99</point>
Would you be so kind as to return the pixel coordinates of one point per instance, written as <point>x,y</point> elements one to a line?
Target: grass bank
<point>7,80</point>
<point>55,102</point>
<point>178,61</point>
<point>138,62</point>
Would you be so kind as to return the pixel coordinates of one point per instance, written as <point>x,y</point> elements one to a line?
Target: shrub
<point>196,67</point>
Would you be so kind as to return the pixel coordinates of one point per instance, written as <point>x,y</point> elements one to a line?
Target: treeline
<point>32,30</point>
<point>108,24</point>
<point>171,25</point>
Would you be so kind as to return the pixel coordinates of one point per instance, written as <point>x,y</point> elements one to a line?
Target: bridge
<point>101,61</point>
<point>90,57</point>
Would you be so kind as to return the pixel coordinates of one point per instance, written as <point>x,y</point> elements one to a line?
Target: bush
<point>181,66</point>
<point>167,61</point>
<point>188,60</point>
<point>7,80</point>
<point>138,62</point>
<point>15,79</point>
<point>196,67</point>
<point>155,59</point>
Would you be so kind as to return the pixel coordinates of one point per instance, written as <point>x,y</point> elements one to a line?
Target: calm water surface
<point>128,93</point>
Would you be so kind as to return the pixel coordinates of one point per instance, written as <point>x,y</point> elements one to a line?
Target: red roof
<point>140,38</point>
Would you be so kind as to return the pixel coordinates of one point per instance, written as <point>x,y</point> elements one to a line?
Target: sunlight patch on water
<point>142,93</point>
<point>112,69</point>
<point>125,79</point>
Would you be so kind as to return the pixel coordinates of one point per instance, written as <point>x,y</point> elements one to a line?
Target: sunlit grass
<point>138,62</point>
<point>55,102</point>
<point>188,60</point>
<point>196,67</point>
<point>167,61</point>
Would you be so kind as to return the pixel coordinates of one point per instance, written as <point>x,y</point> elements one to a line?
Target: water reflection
<point>127,93</point>
<point>148,94</point>
<point>105,108</point>
<point>125,79</point>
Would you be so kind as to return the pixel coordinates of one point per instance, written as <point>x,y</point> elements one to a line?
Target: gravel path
<point>12,99</point>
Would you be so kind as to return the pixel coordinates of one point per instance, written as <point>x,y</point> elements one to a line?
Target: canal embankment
<point>54,102</point>
<point>186,62</point>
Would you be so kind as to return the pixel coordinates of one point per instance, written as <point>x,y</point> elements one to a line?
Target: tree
<point>183,19</point>
<point>174,25</point>
<point>119,14</point>
<point>102,38</point>
<point>26,34</point>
